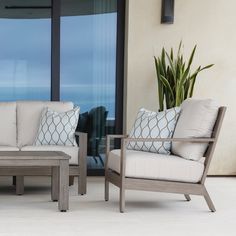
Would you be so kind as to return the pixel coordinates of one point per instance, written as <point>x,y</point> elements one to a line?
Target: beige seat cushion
<point>197,119</point>
<point>8,148</point>
<point>28,118</point>
<point>69,150</point>
<point>7,123</point>
<point>157,166</point>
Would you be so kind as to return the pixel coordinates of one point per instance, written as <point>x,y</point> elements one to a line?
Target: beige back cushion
<point>197,119</point>
<point>7,124</point>
<point>28,118</point>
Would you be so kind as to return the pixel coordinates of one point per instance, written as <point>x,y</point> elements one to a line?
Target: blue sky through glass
<point>88,60</point>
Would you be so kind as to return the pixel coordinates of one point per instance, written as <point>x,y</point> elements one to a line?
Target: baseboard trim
<point>96,172</point>
<point>221,176</point>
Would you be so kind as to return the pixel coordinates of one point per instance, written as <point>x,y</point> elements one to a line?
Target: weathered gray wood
<point>28,163</point>
<point>106,169</point>
<point>156,185</point>
<point>113,178</point>
<point>64,185</point>
<point>211,148</point>
<point>82,181</point>
<point>186,140</point>
<point>122,199</point>
<point>163,186</point>
<point>123,182</point>
<point>55,183</point>
<point>106,190</point>
<point>59,161</point>
<point>34,171</point>
<point>36,155</point>
<point>122,175</point>
<point>19,184</point>
<point>110,136</point>
<point>209,201</point>
<point>40,169</point>
<point>188,198</point>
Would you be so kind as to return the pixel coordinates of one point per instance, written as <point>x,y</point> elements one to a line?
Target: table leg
<point>63,204</point>
<point>19,184</point>
<point>55,183</point>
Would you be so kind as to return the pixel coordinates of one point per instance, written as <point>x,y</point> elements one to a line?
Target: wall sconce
<point>167,11</point>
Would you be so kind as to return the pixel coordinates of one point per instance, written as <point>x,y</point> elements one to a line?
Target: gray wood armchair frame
<point>125,183</point>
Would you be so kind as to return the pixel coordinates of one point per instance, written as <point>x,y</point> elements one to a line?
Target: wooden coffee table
<point>58,161</point>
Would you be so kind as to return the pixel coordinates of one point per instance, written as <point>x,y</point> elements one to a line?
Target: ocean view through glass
<point>88,55</point>
<point>25,55</point>
<point>88,60</point>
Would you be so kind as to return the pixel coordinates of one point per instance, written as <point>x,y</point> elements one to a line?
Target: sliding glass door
<point>70,50</point>
<point>25,50</point>
<point>88,59</point>
<point>88,66</point>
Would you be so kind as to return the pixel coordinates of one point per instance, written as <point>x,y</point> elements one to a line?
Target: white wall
<point>211,24</point>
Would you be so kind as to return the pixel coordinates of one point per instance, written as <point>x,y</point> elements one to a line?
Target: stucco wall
<point>211,24</point>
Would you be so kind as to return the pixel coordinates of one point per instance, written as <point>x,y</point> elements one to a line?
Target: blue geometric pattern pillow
<point>150,124</point>
<point>57,128</point>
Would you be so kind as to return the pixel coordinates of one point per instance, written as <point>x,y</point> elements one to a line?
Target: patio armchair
<point>125,168</point>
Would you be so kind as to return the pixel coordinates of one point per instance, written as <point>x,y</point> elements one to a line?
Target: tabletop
<point>33,155</point>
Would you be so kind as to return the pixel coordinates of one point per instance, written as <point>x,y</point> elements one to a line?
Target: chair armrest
<point>82,138</point>
<point>108,144</point>
<point>186,140</point>
<point>110,136</point>
<point>126,138</point>
<point>82,147</point>
<point>82,161</point>
<point>80,134</point>
<point>113,136</point>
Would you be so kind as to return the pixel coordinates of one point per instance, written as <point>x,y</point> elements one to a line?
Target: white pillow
<point>57,128</point>
<point>150,124</point>
<point>8,124</point>
<point>197,119</point>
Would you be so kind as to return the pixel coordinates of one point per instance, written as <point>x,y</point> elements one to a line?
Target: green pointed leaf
<point>167,85</point>
<point>192,56</point>
<point>207,67</point>
<point>171,54</point>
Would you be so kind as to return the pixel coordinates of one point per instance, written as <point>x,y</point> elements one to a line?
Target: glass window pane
<point>88,54</point>
<point>25,50</point>
<point>88,68</point>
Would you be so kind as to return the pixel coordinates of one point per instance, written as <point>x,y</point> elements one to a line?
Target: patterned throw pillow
<point>149,124</point>
<point>57,128</point>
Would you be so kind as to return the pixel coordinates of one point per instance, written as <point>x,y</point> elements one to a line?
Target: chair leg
<point>208,200</point>
<point>71,180</point>
<point>82,179</point>
<point>187,197</point>
<point>14,180</point>
<point>19,185</point>
<point>122,199</point>
<point>106,190</point>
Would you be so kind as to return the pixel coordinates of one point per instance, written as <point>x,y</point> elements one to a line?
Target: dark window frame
<point>55,49</point>
<point>120,53</point>
<point>55,59</point>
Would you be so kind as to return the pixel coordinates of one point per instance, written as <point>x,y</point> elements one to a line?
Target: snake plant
<point>175,79</point>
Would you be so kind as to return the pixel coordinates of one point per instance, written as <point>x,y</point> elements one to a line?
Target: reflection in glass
<point>88,68</point>
<point>25,51</point>
<point>88,54</point>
